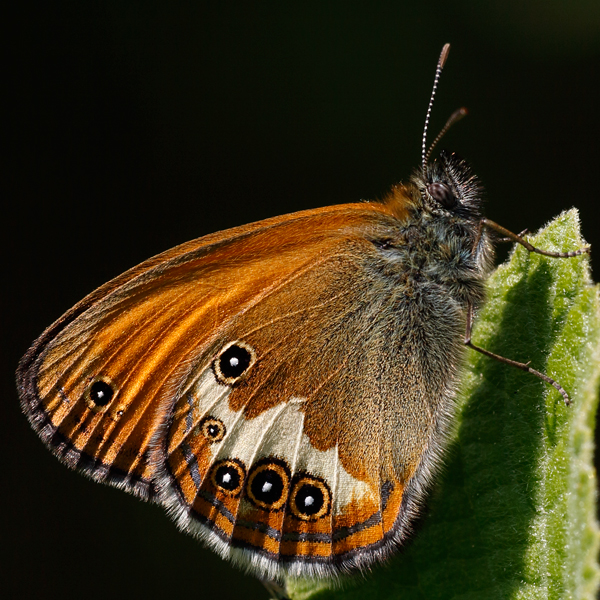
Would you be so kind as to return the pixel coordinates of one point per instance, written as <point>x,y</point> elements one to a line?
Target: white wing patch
<point>278,433</point>
<point>207,393</point>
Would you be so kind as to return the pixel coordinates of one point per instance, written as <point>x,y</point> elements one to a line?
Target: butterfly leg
<point>507,239</point>
<point>508,361</point>
<point>520,240</point>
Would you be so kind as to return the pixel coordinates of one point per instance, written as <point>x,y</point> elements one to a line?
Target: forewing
<point>137,333</point>
<point>296,454</point>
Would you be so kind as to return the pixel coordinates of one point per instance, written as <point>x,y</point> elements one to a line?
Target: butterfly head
<point>448,186</point>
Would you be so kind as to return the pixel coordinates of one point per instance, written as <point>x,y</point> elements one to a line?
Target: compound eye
<point>442,194</point>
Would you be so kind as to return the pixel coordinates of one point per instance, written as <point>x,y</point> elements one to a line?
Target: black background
<point>134,126</point>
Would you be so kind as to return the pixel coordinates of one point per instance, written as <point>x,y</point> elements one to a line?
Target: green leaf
<point>513,512</point>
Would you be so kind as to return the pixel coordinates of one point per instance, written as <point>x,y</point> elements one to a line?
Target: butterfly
<point>285,388</point>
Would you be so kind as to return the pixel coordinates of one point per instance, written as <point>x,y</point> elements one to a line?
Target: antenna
<point>438,72</point>
<point>456,116</point>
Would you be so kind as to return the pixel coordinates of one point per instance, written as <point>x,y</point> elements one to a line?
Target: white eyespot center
<point>267,487</point>
<point>100,393</point>
<point>309,501</point>
<point>226,477</point>
<point>234,361</point>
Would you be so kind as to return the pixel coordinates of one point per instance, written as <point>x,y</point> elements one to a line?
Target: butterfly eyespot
<point>213,429</point>
<point>310,498</point>
<point>233,362</point>
<point>228,476</point>
<point>268,484</point>
<point>442,194</point>
<point>99,394</point>
<point>117,413</point>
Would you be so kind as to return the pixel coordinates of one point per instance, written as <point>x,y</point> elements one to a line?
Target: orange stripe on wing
<point>291,548</point>
<point>215,517</point>
<point>360,539</point>
<point>301,532</point>
<point>255,537</point>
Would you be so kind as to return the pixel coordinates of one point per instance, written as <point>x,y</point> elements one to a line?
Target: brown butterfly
<point>283,388</point>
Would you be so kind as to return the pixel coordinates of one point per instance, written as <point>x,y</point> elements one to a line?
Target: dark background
<point>134,126</point>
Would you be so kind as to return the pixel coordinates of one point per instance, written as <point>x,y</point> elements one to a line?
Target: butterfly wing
<point>310,452</point>
<point>260,381</point>
<point>295,458</point>
<point>133,333</point>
